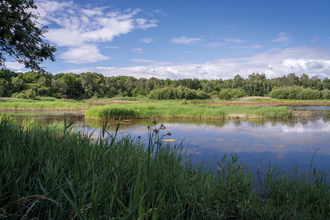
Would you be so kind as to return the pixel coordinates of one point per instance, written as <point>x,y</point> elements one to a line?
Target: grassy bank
<point>173,109</point>
<point>52,173</point>
<point>42,103</point>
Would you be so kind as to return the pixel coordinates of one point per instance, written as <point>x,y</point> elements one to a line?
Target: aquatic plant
<point>172,109</point>
<point>47,174</point>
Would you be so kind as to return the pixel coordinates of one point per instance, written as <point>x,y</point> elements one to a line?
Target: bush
<point>231,94</point>
<point>179,92</point>
<point>298,92</point>
<point>25,94</point>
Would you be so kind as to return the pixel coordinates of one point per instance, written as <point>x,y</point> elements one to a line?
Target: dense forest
<point>93,85</point>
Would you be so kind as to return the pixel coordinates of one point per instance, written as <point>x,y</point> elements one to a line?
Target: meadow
<point>172,109</point>
<point>43,103</point>
<point>56,172</point>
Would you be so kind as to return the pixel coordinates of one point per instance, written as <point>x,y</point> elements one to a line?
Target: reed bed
<point>51,173</point>
<point>176,110</point>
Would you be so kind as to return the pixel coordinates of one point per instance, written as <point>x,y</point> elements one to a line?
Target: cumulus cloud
<point>83,54</point>
<point>234,40</point>
<point>137,50</point>
<point>314,64</point>
<point>147,40</point>
<point>79,27</point>
<point>273,63</point>
<point>282,37</point>
<point>315,38</point>
<point>185,40</point>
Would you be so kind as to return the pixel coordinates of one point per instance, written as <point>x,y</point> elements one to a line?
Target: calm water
<point>282,142</point>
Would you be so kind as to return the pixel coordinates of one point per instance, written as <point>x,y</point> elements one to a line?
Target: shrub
<point>179,92</point>
<point>231,94</point>
<point>298,92</point>
<point>25,94</point>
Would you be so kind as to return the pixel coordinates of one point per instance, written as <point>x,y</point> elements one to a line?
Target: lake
<point>283,142</point>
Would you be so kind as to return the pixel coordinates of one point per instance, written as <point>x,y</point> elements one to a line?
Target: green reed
<point>52,173</point>
<point>172,109</point>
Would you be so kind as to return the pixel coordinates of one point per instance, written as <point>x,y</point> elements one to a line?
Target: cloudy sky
<point>176,39</point>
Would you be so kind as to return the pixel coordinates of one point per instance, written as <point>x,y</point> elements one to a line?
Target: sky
<point>209,39</point>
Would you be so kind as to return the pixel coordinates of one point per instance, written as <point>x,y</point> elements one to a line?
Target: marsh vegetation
<point>172,109</point>
<point>55,172</point>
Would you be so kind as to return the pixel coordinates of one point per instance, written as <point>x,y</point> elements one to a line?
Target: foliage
<point>231,94</point>
<point>25,94</point>
<point>42,103</point>
<point>51,172</point>
<point>299,92</point>
<point>20,37</point>
<point>173,109</point>
<point>93,85</point>
<point>179,92</point>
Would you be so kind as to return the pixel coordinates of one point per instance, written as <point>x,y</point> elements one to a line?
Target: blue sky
<point>208,39</point>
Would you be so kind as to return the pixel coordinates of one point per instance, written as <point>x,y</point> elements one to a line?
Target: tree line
<point>94,85</point>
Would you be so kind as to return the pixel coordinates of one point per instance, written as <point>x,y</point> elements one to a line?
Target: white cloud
<point>144,23</point>
<point>14,65</point>
<point>273,63</point>
<point>282,37</point>
<point>185,40</point>
<point>315,38</point>
<point>253,46</point>
<point>234,40</point>
<point>142,61</point>
<point>314,64</point>
<point>112,47</point>
<point>83,54</point>
<point>137,50</point>
<point>147,40</point>
<point>78,27</point>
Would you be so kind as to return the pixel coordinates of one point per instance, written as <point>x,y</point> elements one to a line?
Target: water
<point>283,142</point>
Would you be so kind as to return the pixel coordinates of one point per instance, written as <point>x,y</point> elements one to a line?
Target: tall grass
<point>42,103</point>
<point>174,109</point>
<point>47,173</point>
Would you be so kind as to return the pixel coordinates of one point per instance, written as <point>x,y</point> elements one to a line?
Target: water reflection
<point>284,142</point>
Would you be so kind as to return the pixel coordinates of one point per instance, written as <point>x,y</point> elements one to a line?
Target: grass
<point>42,103</point>
<point>49,103</point>
<point>50,172</point>
<point>282,100</point>
<point>172,109</point>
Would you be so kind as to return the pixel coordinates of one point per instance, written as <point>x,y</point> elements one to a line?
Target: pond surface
<point>283,142</point>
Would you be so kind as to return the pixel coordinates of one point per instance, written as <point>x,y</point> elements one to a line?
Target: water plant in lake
<point>47,173</point>
<point>172,109</point>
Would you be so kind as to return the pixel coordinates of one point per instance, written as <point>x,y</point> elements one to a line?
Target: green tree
<point>20,37</point>
<point>18,84</point>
